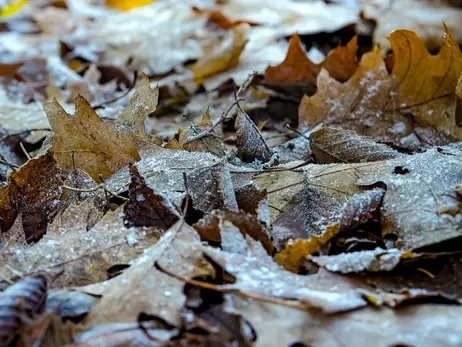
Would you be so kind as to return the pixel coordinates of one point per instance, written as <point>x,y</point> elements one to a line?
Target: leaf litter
<point>241,191</point>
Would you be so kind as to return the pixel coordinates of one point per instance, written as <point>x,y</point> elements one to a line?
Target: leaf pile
<point>244,191</point>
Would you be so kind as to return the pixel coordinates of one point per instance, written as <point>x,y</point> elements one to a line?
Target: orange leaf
<point>341,64</point>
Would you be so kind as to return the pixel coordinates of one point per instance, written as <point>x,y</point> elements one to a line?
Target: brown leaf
<point>334,145</point>
<point>83,255</point>
<point>418,96</point>
<point>147,207</point>
<point>143,288</point>
<point>341,64</point>
<point>210,226</point>
<point>211,188</point>
<point>87,142</point>
<point>251,145</point>
<point>33,192</point>
<point>23,301</point>
<point>221,56</point>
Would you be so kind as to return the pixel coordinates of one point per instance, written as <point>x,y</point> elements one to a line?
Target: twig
<point>24,151</point>
<point>5,161</point>
<point>6,136</point>
<point>110,101</point>
<point>224,115</point>
<point>296,131</point>
<point>306,162</point>
<point>94,189</point>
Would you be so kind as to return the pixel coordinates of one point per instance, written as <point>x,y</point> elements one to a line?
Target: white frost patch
<point>140,197</point>
<point>398,128</point>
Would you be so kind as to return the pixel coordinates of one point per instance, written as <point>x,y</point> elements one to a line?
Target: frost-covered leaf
<point>256,273</point>
<point>211,188</point>
<point>83,255</point>
<point>251,145</point>
<point>147,207</point>
<point>211,226</point>
<point>418,95</point>
<point>372,261</point>
<point>143,288</point>
<point>335,145</point>
<point>33,192</point>
<point>421,203</point>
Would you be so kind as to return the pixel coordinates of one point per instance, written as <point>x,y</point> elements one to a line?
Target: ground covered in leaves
<point>231,173</point>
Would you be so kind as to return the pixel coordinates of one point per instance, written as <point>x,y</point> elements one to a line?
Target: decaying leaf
<point>83,255</point>
<point>335,145</point>
<point>221,56</point>
<point>297,67</point>
<point>87,142</point>
<point>147,207</point>
<point>33,191</point>
<point>251,145</point>
<point>143,288</point>
<point>210,227</point>
<point>416,101</point>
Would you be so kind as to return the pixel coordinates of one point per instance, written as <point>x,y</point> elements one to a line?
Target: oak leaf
<point>87,142</point>
<point>416,101</point>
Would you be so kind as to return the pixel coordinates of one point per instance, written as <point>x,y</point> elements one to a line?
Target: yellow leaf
<point>11,9</point>
<point>127,5</point>
<point>221,56</point>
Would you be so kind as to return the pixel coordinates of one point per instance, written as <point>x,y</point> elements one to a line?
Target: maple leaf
<point>341,64</point>
<point>87,142</point>
<point>418,96</point>
<point>33,192</point>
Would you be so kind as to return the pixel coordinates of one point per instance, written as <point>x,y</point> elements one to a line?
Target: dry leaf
<point>221,56</point>
<point>334,145</point>
<point>341,64</point>
<point>417,96</point>
<point>147,208</point>
<point>33,191</point>
<point>251,145</point>
<point>87,142</point>
<point>211,226</point>
<point>126,5</point>
<point>83,255</point>
<point>143,288</point>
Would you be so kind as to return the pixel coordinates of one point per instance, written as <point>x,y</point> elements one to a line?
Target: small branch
<point>24,151</point>
<point>296,131</point>
<point>5,161</point>
<point>224,115</point>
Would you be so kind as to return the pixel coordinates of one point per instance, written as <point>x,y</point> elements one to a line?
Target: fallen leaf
<point>251,145</point>
<point>87,142</point>
<point>221,56</point>
<point>334,145</point>
<point>210,227</point>
<point>424,216</point>
<point>258,274</point>
<point>83,255</point>
<point>143,288</point>
<point>341,64</point>
<point>412,325</point>
<point>33,192</point>
<point>126,5</point>
<point>147,207</point>
<point>418,96</point>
